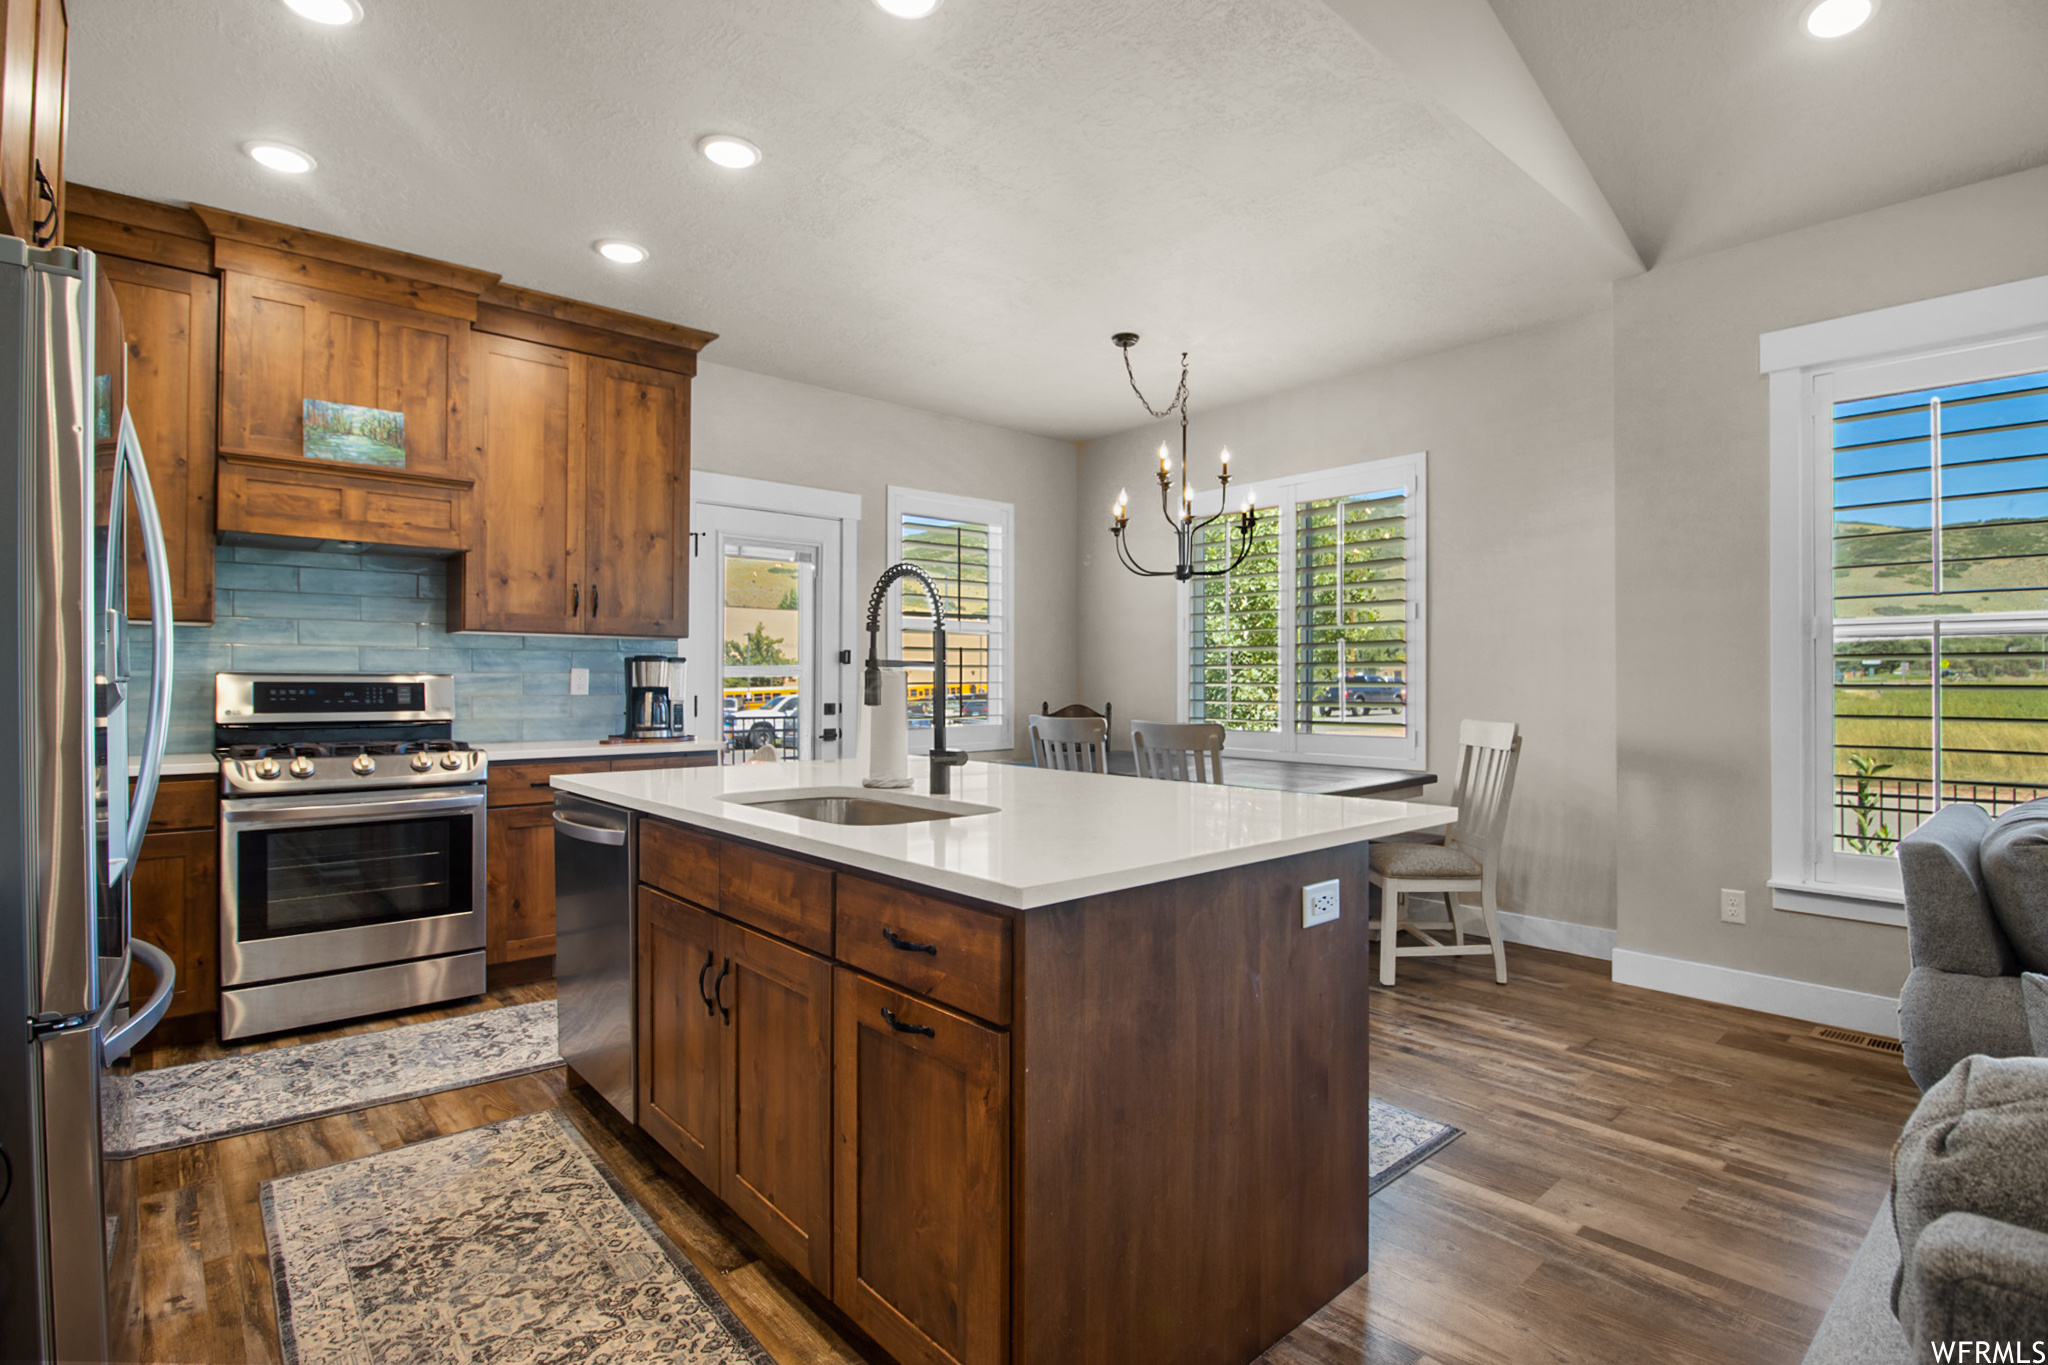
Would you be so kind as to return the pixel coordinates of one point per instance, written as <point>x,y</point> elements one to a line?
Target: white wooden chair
<point>1075,745</point>
<point>1178,753</point>
<point>1467,863</point>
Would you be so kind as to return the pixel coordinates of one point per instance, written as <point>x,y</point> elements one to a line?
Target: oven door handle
<point>349,808</point>
<point>589,834</point>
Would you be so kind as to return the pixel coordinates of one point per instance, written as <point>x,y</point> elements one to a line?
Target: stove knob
<point>266,768</point>
<point>364,764</point>
<point>302,766</point>
<point>451,761</point>
<point>421,762</point>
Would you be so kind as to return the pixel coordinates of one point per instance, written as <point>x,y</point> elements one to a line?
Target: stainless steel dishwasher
<point>594,947</point>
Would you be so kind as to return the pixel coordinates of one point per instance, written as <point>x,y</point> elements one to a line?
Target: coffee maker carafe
<point>649,706</point>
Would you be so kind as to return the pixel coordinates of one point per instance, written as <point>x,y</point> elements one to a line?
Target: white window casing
<point>994,730</point>
<point>1928,345</point>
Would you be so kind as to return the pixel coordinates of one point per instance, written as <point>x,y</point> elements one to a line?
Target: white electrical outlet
<point>1734,906</point>
<point>579,682</point>
<point>1319,903</point>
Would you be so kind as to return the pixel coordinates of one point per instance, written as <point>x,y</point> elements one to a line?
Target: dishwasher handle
<point>589,834</point>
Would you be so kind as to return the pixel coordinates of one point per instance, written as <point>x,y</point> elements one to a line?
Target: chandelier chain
<point>1180,397</point>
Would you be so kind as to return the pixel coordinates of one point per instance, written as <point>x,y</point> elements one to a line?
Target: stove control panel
<point>346,767</point>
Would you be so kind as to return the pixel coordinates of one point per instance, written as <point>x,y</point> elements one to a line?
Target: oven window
<point>303,880</point>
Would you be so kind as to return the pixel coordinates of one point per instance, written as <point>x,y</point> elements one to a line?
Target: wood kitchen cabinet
<point>306,316</point>
<point>175,893</point>
<point>921,1225</point>
<point>584,470</point>
<point>519,875</point>
<point>736,1071</point>
<point>170,321</point>
<point>33,79</point>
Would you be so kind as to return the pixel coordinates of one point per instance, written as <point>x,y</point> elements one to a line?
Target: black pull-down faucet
<point>942,758</point>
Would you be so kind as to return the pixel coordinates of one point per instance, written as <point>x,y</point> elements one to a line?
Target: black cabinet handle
<point>593,601</point>
<point>902,1027</point>
<point>710,1006</point>
<point>718,987</point>
<point>905,945</point>
<point>575,599</point>
<point>542,783</point>
<point>6,1176</point>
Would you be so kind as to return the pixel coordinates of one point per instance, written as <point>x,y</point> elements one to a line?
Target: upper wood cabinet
<point>169,320</point>
<point>33,49</point>
<point>583,467</point>
<point>306,316</point>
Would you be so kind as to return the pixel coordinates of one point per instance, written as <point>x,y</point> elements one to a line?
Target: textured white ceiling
<point>1714,122</point>
<point>953,213</point>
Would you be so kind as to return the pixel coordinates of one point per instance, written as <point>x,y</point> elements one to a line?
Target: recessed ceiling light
<point>278,157</point>
<point>907,9</point>
<point>1834,18</point>
<point>625,253</point>
<point>328,11</point>
<point>733,153</point>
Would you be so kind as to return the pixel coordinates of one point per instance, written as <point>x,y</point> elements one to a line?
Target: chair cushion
<point>1974,1145</point>
<point>1949,923</point>
<point>2034,992</point>
<point>1422,860</point>
<point>1978,1279</point>
<point>2014,857</point>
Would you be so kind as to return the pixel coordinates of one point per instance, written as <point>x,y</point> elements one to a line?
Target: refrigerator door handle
<point>157,559</point>
<point>114,1046</point>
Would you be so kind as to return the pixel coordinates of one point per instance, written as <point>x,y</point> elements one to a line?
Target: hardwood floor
<point>1641,1177</point>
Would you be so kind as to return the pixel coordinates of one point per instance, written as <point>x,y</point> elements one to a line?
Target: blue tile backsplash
<point>311,611</point>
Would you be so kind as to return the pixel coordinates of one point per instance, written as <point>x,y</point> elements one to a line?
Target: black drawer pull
<point>710,1005</point>
<point>542,783</point>
<point>902,1027</point>
<point>906,945</point>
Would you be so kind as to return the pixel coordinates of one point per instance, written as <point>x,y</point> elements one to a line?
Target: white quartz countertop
<point>518,751</point>
<point>1052,837</point>
<point>538,750</point>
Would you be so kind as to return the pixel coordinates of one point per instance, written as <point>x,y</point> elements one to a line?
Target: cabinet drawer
<point>186,803</point>
<point>680,862</point>
<point>526,784</point>
<point>955,955</point>
<point>777,895</point>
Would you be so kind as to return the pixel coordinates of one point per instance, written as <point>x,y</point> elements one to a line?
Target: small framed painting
<point>354,435</point>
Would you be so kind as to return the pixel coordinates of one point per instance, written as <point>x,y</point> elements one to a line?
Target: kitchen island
<point>1056,1076</point>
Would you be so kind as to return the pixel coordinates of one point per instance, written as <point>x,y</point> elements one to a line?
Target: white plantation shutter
<point>1313,646</point>
<point>965,545</point>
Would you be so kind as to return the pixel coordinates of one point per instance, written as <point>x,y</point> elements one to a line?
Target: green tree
<point>758,648</point>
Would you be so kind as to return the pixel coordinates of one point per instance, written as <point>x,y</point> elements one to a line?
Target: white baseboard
<point>1585,940</point>
<point>1859,1010</point>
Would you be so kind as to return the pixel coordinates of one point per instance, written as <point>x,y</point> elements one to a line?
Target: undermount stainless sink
<point>845,808</point>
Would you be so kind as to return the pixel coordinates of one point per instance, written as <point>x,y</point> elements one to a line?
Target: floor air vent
<point>1854,1039</point>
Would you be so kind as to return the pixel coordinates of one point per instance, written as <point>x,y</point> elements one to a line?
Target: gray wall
<point>760,427</point>
<point>1692,562</point>
<point>1521,569</point>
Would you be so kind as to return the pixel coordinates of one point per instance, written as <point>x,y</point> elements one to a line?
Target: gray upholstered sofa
<point>1970,1186</point>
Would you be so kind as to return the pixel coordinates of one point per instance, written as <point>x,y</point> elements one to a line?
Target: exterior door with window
<point>771,599</point>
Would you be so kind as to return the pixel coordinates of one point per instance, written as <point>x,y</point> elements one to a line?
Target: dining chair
<point>1076,745</point>
<point>1178,753</point>
<point>1467,863</point>
<point>1079,709</point>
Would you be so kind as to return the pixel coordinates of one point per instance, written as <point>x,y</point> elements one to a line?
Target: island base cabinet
<point>682,1039</point>
<point>921,1230</point>
<point>736,1071</point>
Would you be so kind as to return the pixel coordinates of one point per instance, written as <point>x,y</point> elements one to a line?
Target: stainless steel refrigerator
<point>70,825</point>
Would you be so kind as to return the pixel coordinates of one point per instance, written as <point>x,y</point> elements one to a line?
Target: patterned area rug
<point>506,1243</point>
<point>1400,1142</point>
<point>150,1111</point>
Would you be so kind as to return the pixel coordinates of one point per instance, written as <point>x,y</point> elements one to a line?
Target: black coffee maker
<point>650,711</point>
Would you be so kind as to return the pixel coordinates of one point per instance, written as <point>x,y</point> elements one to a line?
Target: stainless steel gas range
<point>351,848</point>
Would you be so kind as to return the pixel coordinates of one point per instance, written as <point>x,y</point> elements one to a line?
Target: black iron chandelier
<point>1179,513</point>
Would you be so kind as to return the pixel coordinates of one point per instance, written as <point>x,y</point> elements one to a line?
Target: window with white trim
<point>1313,646</point>
<point>1912,539</point>
<point>965,545</point>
